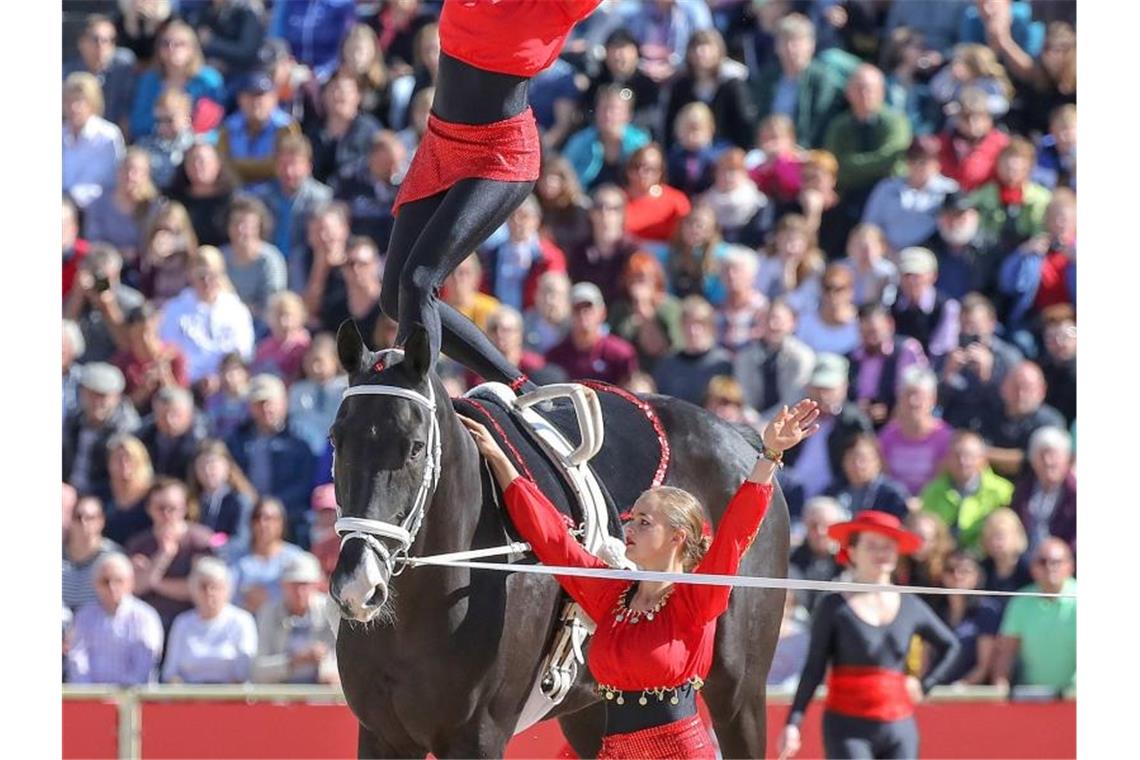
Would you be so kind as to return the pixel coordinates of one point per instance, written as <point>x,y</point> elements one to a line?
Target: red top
<point>655,217</point>
<point>1054,286</point>
<point>516,37</point>
<point>971,165</point>
<point>677,643</point>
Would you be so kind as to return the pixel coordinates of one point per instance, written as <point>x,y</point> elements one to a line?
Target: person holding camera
<point>98,302</point>
<point>147,362</point>
<point>973,372</point>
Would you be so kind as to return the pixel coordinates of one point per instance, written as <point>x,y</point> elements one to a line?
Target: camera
<point>965,339</point>
<point>101,283</point>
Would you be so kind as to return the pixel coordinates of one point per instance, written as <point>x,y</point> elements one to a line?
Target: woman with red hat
<point>865,637</point>
<point>653,646</point>
<point>477,161</point>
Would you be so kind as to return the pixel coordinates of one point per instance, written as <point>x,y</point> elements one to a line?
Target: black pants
<point>430,238</point>
<point>845,737</point>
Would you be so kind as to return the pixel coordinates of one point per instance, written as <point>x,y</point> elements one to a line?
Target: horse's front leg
<point>371,745</point>
<point>481,737</point>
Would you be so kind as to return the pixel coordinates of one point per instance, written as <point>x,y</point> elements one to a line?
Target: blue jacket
<point>262,145</point>
<point>1020,276</point>
<point>314,29</point>
<point>291,465</point>
<point>585,153</point>
<point>207,83</point>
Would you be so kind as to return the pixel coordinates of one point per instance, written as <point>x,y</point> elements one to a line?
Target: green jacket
<point>819,97</point>
<point>965,516</point>
<point>987,200</point>
<point>861,169</point>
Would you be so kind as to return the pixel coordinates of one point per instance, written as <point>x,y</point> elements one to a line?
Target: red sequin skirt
<point>507,150</point>
<point>685,738</point>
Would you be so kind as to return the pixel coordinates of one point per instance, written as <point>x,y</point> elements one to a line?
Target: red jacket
<point>971,166</point>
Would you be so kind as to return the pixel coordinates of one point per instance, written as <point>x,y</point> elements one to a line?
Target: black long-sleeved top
<point>840,637</point>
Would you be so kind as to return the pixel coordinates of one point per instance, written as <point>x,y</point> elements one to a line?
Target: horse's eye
<point>417,447</point>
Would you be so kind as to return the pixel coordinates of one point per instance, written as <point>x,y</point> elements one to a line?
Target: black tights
<point>430,238</point>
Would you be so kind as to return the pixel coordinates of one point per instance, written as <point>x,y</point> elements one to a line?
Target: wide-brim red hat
<point>874,521</point>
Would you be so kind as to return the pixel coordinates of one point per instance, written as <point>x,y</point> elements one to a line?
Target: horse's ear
<point>350,347</point>
<point>417,350</point>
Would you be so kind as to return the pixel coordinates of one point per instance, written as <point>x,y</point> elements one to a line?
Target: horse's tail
<point>749,434</point>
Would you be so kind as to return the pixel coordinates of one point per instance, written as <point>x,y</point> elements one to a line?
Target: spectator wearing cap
<point>513,268</point>
<point>818,464</point>
<point>260,563</point>
<point>686,373</point>
<point>1012,207</point>
<point>255,267</point>
<point>221,497</point>
<point>83,546</point>
<point>598,152</point>
<point>344,136</point>
<point>833,327</point>
<point>906,208</point>
<point>722,84</point>
<point>207,320</point>
<point>973,372</point>
<point>231,33</point>
<point>1043,271</point>
<point>314,30</point>
<point>116,638</point>
<point>869,140</point>
<point>370,189</point>
<point>1057,151</point>
<point>1037,643</point>
<point>865,485</point>
<point>172,138</point>
<point>970,146</point>
<point>799,85</point>
<point>164,555</point>
<point>587,351</point>
<point>248,137</point>
<point>879,363</point>
<point>967,491</point>
<point>173,432</point>
<point>961,249</point>
<point>920,311</point>
<point>1013,417</point>
<point>112,66</point>
<point>738,204</point>
<point>774,370</point>
<point>1058,360</point>
<point>73,348</point>
<point>1045,496</point>
<point>295,641</point>
<point>215,642</point>
<point>277,462</point>
<point>620,67</point>
<point>604,255</point>
<point>505,329</point>
<point>814,559</point>
<point>179,63</point>
<point>292,195</point>
<point>326,542</point>
<point>914,442</point>
<point>99,302</point>
<point>314,399</point>
<point>102,413</point>
<point>147,362</point>
<point>92,146</point>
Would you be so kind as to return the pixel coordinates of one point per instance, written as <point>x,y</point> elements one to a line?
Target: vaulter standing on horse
<point>478,160</point>
<point>654,641</point>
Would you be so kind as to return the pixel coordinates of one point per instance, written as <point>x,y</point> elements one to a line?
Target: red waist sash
<point>868,692</point>
<point>507,150</point>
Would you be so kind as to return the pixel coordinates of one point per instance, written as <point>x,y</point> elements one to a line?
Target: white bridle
<point>371,531</point>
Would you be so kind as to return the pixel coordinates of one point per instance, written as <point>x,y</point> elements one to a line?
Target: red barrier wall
<point>237,729</point>
<point>90,729</point>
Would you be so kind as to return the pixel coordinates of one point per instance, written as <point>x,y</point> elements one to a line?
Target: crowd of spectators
<point>865,202</point>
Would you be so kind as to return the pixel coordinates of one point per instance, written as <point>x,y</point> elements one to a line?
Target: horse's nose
<point>359,585</point>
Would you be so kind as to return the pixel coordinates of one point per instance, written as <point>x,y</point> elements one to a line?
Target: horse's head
<point>385,464</point>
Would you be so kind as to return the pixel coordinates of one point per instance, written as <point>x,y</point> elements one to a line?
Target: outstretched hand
<point>790,426</point>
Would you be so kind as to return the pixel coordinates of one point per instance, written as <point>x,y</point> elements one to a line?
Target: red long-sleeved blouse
<point>674,646</point>
<point>516,37</point>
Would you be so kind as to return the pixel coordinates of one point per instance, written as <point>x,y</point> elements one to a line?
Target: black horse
<point>442,660</point>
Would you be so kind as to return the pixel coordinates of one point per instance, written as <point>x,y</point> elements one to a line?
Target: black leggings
<point>430,238</point>
<point>846,737</point>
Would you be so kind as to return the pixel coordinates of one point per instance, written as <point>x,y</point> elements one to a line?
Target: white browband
<point>404,534</point>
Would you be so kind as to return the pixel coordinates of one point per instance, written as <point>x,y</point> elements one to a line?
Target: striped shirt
<point>121,648</point>
<point>78,583</point>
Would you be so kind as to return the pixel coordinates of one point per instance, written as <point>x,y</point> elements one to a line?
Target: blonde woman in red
<point>654,641</point>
